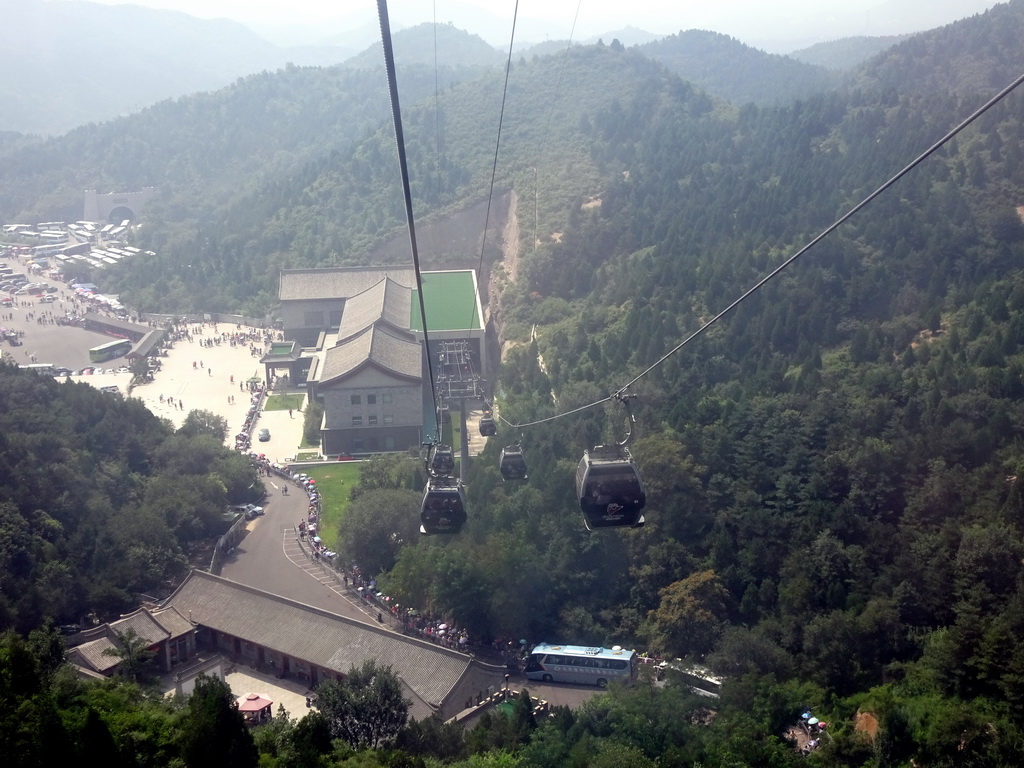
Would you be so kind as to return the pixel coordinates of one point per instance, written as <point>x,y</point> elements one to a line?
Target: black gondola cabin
<point>609,488</point>
<point>513,464</point>
<point>443,509</point>
<point>442,460</point>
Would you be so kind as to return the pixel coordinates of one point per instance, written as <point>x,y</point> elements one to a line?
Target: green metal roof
<point>450,301</point>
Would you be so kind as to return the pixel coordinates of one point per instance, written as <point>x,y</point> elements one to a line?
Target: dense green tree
<point>367,709</point>
<point>431,736</point>
<point>132,653</point>
<point>202,422</point>
<point>377,526</point>
<point>312,419</point>
<point>213,731</point>
<point>690,617</point>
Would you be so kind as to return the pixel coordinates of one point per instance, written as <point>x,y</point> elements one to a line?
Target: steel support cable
<point>494,164</point>
<point>827,231</point>
<point>437,110</point>
<point>389,64</point>
<point>551,113</point>
<point>832,227</point>
<point>565,62</point>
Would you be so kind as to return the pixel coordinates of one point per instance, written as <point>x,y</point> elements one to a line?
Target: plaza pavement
<point>290,693</point>
<point>209,386</point>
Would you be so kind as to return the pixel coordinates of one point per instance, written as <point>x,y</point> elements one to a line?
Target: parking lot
<point>44,339</point>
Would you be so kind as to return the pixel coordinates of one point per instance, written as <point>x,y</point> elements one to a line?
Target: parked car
<point>252,511</point>
<point>264,435</point>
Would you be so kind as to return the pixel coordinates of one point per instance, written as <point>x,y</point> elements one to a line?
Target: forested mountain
<point>847,52</point>
<point>66,64</point>
<point>970,56</point>
<point>99,499</point>
<point>419,45</point>
<point>835,517</point>
<point>736,72</point>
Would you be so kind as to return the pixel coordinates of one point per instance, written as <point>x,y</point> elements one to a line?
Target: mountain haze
<point>66,64</point>
<point>736,72</point>
<point>846,53</point>
<point>834,470</point>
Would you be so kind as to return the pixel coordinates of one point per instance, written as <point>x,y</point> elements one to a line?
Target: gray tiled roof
<point>144,625</point>
<point>387,302</point>
<point>316,636</point>
<point>151,627</point>
<point>175,624</point>
<point>397,354</point>
<point>338,283</point>
<point>91,656</point>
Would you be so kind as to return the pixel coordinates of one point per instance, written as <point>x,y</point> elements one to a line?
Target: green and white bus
<point>581,664</point>
<point>110,350</point>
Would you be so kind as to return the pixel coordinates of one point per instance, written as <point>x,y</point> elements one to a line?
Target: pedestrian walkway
<point>215,378</point>
<point>288,693</point>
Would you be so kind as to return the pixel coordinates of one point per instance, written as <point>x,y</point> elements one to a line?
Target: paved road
<point>269,557</point>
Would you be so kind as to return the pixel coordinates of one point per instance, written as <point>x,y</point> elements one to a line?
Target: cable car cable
<point>565,62</point>
<point>494,167</point>
<point>389,63</point>
<point>835,225</point>
<point>827,231</point>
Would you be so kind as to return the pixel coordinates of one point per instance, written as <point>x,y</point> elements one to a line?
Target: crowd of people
<point>243,440</point>
<point>309,527</point>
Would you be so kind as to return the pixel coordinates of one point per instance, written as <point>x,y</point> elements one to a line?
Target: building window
<point>388,418</point>
<point>357,444</point>
<point>386,398</point>
<point>313,319</point>
<point>389,443</point>
<point>357,421</point>
<point>357,399</point>
<point>371,399</point>
<point>372,420</point>
<point>334,318</point>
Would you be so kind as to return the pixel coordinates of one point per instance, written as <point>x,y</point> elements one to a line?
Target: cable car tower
<point>443,509</point>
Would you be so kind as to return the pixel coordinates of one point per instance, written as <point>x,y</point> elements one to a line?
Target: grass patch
<point>451,434</point>
<point>284,402</point>
<point>307,456</point>
<point>334,482</point>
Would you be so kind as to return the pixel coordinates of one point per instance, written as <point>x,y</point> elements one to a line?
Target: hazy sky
<point>751,21</point>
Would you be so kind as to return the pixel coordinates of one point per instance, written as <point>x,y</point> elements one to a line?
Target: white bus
<point>581,664</point>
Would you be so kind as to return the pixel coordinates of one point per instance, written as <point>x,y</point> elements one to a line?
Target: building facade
<point>365,328</point>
